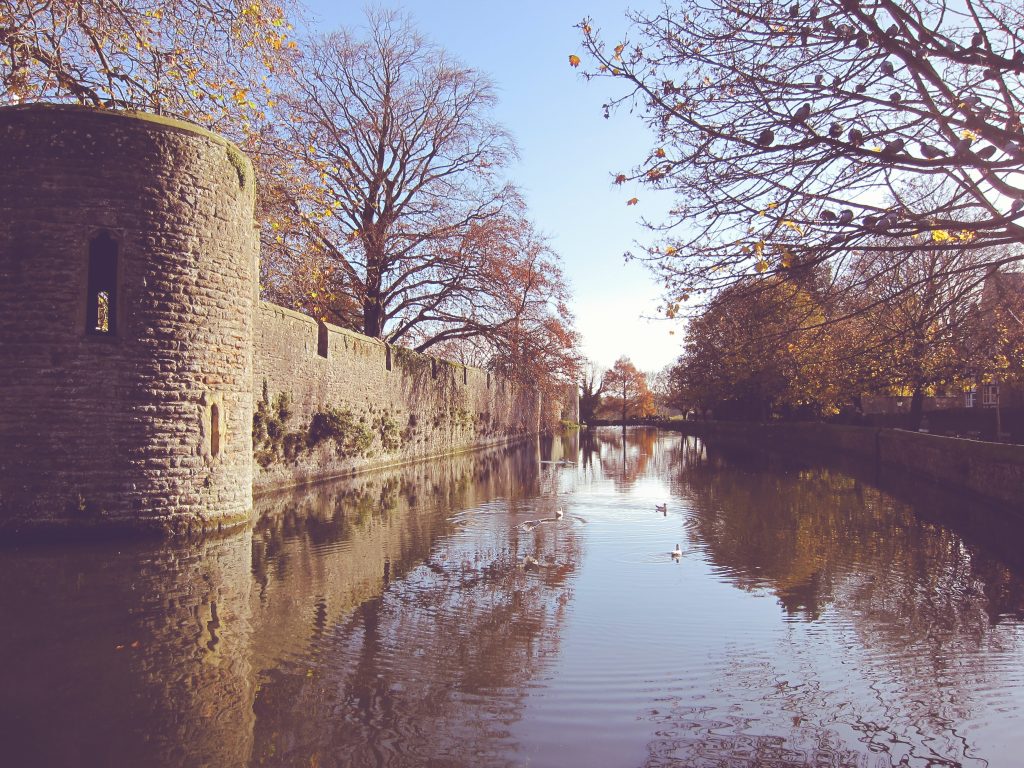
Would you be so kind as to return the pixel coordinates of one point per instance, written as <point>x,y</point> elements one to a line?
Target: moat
<point>445,614</point>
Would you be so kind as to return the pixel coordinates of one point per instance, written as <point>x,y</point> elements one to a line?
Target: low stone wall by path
<point>992,471</point>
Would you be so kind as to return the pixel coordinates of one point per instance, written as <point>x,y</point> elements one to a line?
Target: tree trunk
<point>916,408</point>
<point>372,319</point>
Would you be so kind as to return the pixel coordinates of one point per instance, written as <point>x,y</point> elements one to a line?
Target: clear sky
<point>568,153</point>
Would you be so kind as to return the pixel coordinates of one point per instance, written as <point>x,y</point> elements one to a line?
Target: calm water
<point>811,620</point>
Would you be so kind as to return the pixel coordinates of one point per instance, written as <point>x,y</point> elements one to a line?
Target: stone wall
<point>127,285</point>
<point>992,471</point>
<point>137,366</point>
<point>331,401</point>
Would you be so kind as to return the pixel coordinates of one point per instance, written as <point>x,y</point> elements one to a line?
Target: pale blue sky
<point>568,152</point>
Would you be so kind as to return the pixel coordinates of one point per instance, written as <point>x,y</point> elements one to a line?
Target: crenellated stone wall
<point>388,404</point>
<point>142,384</point>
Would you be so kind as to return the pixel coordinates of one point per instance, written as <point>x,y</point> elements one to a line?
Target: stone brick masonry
<point>133,350</point>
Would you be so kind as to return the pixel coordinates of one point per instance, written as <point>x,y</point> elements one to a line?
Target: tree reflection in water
<point>910,598</point>
<point>427,629</point>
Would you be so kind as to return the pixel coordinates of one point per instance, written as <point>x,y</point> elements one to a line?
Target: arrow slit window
<point>101,300</point>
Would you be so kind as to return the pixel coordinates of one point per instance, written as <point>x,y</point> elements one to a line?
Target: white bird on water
<point>558,514</point>
<point>677,553</point>
<point>661,507</point>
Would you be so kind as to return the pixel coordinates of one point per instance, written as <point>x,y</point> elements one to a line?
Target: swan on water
<point>558,514</point>
<point>677,552</point>
<point>661,507</point>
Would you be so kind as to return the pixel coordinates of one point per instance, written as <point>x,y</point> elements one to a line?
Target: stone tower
<point>128,263</point>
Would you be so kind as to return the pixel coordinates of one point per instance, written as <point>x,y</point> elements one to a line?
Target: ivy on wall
<point>353,435</point>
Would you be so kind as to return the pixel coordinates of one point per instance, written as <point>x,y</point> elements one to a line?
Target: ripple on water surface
<point>445,615</point>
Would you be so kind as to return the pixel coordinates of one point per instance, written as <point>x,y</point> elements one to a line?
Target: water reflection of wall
<point>324,549</point>
<point>372,650</point>
<point>127,656</point>
<point>361,605</point>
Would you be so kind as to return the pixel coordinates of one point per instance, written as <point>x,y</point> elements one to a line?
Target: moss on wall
<point>352,434</point>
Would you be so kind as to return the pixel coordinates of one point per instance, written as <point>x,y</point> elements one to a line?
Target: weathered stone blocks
<point>98,427</point>
<point>133,350</point>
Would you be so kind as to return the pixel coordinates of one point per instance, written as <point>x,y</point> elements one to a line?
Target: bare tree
<point>791,131</point>
<point>591,389</point>
<point>398,218</point>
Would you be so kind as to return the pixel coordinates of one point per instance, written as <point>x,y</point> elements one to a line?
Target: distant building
<point>1001,308</point>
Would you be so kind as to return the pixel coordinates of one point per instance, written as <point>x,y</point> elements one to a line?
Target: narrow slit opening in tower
<point>101,299</point>
<point>214,430</point>
<point>387,356</point>
<point>322,339</point>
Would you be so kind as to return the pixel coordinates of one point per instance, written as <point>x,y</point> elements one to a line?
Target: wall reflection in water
<point>393,632</point>
<point>440,614</point>
<point>352,624</point>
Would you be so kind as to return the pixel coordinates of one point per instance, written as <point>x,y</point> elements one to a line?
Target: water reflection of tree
<point>427,664</point>
<point>917,602</point>
<point>623,455</point>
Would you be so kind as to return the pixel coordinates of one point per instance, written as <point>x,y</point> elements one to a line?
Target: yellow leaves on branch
<point>632,201</point>
<point>574,60</point>
<point>944,236</point>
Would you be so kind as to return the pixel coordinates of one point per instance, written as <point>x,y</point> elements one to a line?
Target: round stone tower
<point>127,292</point>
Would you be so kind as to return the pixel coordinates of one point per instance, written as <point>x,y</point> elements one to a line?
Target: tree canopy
<point>200,61</point>
<point>625,391</point>
<point>800,132</point>
<point>395,217</point>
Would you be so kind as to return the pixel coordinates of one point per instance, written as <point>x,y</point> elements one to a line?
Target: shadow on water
<point>355,624</point>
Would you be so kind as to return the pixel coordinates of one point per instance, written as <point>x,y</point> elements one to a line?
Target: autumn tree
<point>997,345</point>
<point>200,61</point>
<point>913,341</point>
<point>626,391</point>
<point>400,224</point>
<point>760,348</point>
<point>792,131</point>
